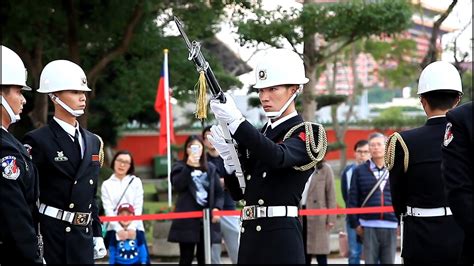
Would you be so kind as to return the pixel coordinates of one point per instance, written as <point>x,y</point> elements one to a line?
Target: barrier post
<point>206,220</point>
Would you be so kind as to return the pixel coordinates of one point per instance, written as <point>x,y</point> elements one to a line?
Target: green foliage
<point>380,95</point>
<point>335,22</point>
<point>329,99</point>
<point>90,31</point>
<point>393,118</point>
<point>467,86</point>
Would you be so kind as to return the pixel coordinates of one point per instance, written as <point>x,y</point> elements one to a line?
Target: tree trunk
<point>309,103</point>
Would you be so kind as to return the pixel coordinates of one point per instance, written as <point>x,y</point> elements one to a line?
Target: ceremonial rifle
<point>204,68</point>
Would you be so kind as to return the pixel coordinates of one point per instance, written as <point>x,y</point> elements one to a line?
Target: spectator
<point>319,193</point>
<point>129,247</point>
<point>230,226</point>
<point>122,187</point>
<point>362,154</point>
<point>379,230</point>
<point>198,187</point>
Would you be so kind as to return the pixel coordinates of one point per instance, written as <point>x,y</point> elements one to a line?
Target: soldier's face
<point>122,164</point>
<point>74,99</point>
<point>15,99</point>
<point>377,147</point>
<point>273,98</point>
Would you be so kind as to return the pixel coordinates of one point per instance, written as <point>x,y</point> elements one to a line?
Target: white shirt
<point>71,131</point>
<point>281,120</point>
<point>112,189</point>
<point>4,128</point>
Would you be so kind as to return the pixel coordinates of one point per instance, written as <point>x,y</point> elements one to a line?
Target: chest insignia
<point>10,169</point>
<point>60,157</point>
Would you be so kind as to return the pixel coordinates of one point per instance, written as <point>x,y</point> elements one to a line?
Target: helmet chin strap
<point>13,117</point>
<point>274,115</point>
<point>75,113</point>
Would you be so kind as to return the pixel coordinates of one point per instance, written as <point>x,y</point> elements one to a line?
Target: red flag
<point>160,107</point>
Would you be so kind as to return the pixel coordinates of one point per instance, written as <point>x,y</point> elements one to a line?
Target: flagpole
<point>168,139</point>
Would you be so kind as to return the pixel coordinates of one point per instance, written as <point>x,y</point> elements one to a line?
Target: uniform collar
<point>435,120</point>
<point>281,120</point>
<point>71,130</point>
<point>4,129</point>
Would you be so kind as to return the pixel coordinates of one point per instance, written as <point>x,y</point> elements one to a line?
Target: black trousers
<point>186,252</point>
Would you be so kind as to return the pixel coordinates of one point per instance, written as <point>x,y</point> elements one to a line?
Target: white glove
<point>229,165</point>
<point>216,138</point>
<point>44,261</point>
<point>227,112</point>
<point>99,248</point>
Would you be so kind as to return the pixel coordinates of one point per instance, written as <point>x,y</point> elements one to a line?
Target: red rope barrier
<point>198,214</point>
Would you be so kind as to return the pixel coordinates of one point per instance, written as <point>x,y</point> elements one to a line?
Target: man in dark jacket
<point>276,162</point>
<point>68,158</point>
<point>457,166</point>
<point>19,181</point>
<point>430,234</point>
<point>379,230</point>
<point>362,154</point>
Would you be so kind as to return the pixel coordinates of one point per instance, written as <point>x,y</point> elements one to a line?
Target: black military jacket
<point>18,212</point>
<point>67,183</point>
<point>457,152</point>
<point>271,180</point>
<point>426,239</point>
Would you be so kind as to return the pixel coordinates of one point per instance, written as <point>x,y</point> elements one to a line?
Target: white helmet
<point>13,69</point>
<point>439,75</point>
<point>279,67</point>
<point>61,75</point>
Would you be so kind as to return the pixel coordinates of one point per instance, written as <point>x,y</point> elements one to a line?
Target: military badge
<point>95,157</point>
<point>60,157</point>
<point>10,169</point>
<point>448,135</point>
<point>262,74</point>
<point>28,148</point>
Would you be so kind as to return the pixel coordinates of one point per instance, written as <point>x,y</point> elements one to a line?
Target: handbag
<point>106,225</point>
<point>343,245</point>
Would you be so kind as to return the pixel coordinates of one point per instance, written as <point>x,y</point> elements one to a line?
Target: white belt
<point>254,212</point>
<point>432,212</point>
<point>76,218</point>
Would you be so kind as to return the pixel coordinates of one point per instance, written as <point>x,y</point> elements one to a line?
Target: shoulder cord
<point>311,147</point>
<point>390,151</point>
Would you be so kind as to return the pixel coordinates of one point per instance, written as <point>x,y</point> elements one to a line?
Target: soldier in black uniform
<point>19,242</point>
<point>457,166</point>
<point>68,158</point>
<point>429,232</point>
<point>276,162</point>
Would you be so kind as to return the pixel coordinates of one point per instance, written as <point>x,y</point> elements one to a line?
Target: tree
<point>324,29</point>
<point>119,45</point>
<point>432,53</point>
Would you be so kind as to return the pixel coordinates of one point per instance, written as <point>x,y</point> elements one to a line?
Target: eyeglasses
<point>363,152</point>
<point>123,162</point>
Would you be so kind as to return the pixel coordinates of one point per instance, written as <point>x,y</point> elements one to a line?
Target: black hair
<point>131,170</point>
<point>203,159</point>
<point>360,143</point>
<point>206,129</point>
<point>441,99</point>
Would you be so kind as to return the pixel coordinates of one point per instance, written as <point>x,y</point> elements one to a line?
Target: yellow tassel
<point>201,97</point>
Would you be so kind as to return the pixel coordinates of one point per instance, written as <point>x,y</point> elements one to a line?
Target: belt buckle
<point>249,213</point>
<point>81,218</point>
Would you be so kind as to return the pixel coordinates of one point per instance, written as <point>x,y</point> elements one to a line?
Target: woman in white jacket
<point>122,187</point>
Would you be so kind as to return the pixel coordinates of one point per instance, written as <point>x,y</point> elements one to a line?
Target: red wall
<point>144,146</point>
